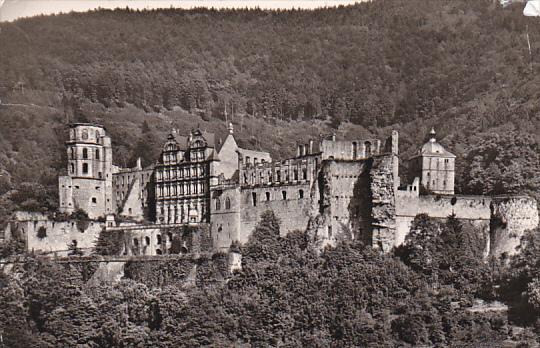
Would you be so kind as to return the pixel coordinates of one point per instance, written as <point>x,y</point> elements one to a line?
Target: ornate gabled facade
<point>183,176</point>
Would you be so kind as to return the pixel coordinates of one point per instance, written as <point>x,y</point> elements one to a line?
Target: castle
<point>200,196</point>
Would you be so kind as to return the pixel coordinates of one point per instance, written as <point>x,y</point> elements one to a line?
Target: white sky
<point>13,9</point>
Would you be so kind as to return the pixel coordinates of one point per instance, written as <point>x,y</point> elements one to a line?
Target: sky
<point>13,9</point>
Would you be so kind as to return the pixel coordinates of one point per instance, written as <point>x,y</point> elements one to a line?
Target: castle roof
<point>433,148</point>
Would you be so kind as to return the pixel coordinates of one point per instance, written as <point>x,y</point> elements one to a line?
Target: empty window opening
<point>329,231</point>
<point>158,237</point>
<point>85,153</point>
<point>304,174</point>
<point>72,168</point>
<point>94,200</point>
<point>355,150</point>
<point>147,240</point>
<point>254,198</point>
<point>227,203</point>
<point>85,168</point>
<point>159,252</point>
<point>301,194</point>
<point>284,195</point>
<point>367,146</point>
<point>267,196</point>
<point>97,153</point>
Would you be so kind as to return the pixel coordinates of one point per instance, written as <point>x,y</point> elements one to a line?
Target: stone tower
<point>88,185</point>
<point>437,167</point>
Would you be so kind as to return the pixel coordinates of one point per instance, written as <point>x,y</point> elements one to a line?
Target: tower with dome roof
<point>437,166</point>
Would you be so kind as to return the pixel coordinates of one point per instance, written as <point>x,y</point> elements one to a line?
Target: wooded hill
<point>280,77</point>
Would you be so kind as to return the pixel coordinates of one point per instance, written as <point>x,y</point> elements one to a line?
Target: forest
<point>280,77</point>
<point>427,293</point>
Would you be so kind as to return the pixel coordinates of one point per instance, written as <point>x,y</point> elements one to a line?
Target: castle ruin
<point>199,196</point>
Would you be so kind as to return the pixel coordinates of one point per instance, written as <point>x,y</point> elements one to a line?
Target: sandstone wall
<point>382,185</point>
<point>511,218</point>
<point>58,234</point>
<point>225,221</point>
<point>292,210</point>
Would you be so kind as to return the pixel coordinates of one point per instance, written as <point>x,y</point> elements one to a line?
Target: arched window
<point>85,168</point>
<point>85,153</point>
<point>227,203</point>
<point>218,204</point>
<point>254,198</point>
<point>301,194</point>
<point>97,154</point>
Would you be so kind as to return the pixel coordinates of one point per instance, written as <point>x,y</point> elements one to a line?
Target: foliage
<point>110,243</point>
<point>447,253</point>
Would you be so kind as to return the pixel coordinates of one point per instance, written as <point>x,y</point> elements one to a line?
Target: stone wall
<point>57,234</point>
<point>151,240</point>
<point>225,221</point>
<point>511,218</point>
<point>383,210</point>
<point>290,203</point>
<point>341,202</point>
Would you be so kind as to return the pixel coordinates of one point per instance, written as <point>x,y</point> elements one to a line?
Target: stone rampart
<point>48,236</point>
<point>291,203</point>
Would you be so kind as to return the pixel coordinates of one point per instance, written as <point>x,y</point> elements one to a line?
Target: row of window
<point>178,173</point>
<point>181,189</point>
<point>85,153</point>
<point>175,157</point>
<point>227,204</point>
<point>269,178</point>
<point>268,196</point>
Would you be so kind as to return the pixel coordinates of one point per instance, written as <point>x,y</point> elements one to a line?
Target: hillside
<point>284,76</point>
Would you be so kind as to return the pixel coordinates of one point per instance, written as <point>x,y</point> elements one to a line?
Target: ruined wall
<point>225,216</point>
<point>57,234</point>
<point>153,240</point>
<point>292,210</point>
<point>383,211</point>
<point>86,194</point>
<point>341,202</point>
<point>511,217</point>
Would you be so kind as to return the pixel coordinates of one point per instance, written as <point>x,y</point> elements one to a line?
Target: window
<point>301,194</point>
<point>284,195</point>
<point>227,203</point>
<point>85,153</point>
<point>72,151</point>
<point>367,145</point>
<point>355,150</point>
<point>295,174</point>
<point>159,252</point>
<point>94,200</point>
<point>218,204</point>
<point>85,168</point>
<point>158,237</point>
<point>248,159</point>
<point>97,153</point>
<point>72,168</point>
<point>267,196</point>
<point>97,135</point>
<point>254,198</point>
<point>84,134</point>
